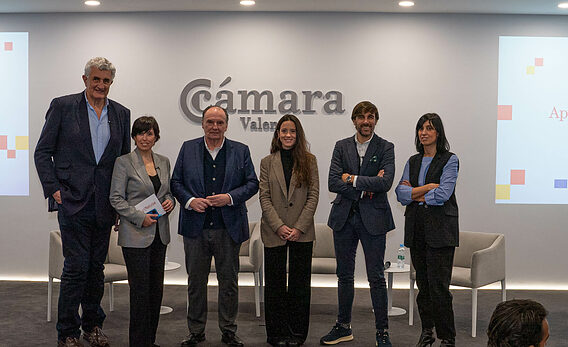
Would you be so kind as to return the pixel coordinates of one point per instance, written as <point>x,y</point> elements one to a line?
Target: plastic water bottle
<point>400,257</point>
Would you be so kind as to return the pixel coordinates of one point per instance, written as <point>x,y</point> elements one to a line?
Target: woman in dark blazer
<point>143,237</point>
<point>431,231</point>
<point>289,194</point>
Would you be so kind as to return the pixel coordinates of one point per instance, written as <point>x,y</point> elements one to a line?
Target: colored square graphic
<point>561,184</point>
<point>503,192</point>
<point>22,142</point>
<point>11,153</point>
<point>8,46</point>
<point>538,61</point>
<point>530,70</point>
<point>3,142</point>
<point>518,177</point>
<point>504,112</point>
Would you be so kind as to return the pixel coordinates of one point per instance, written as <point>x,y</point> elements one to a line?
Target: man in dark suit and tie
<point>361,173</point>
<point>83,135</point>
<point>212,180</point>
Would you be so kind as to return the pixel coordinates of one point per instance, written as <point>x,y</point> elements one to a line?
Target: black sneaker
<point>193,339</point>
<point>337,334</point>
<point>383,339</point>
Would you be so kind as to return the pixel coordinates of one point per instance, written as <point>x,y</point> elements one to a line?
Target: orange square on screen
<point>518,177</point>
<point>504,112</point>
<point>3,142</point>
<point>8,46</point>
<point>11,153</point>
<point>538,61</point>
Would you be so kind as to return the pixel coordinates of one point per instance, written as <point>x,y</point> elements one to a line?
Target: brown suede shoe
<point>96,338</point>
<point>69,342</point>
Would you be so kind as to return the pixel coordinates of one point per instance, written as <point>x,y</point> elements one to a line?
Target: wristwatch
<point>349,179</point>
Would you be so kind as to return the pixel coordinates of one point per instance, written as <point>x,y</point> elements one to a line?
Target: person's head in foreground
<point>518,323</point>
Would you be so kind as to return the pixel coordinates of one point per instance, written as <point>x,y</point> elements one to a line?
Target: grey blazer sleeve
<point>118,192</point>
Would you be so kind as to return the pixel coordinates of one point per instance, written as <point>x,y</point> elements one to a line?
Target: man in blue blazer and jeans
<point>83,135</point>
<point>212,180</point>
<point>361,173</point>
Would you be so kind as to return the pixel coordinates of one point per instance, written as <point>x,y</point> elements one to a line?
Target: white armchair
<point>115,268</point>
<point>478,261</point>
<point>323,254</point>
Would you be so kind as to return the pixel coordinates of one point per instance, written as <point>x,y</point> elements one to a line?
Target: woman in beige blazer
<point>143,237</point>
<point>289,193</point>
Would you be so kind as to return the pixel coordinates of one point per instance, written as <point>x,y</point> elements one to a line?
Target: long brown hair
<point>300,152</point>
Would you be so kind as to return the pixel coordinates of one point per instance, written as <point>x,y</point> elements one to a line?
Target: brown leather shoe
<point>96,338</point>
<point>69,342</point>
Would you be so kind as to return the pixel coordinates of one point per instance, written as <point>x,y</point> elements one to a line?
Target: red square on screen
<point>538,61</point>
<point>11,153</point>
<point>8,46</point>
<point>504,112</point>
<point>518,177</point>
<point>3,142</point>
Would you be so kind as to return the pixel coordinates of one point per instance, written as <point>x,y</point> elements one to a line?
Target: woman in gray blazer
<point>289,194</point>
<point>143,237</point>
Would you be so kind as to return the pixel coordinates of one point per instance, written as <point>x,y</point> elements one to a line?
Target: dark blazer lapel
<point>279,172</point>
<point>229,167</point>
<point>371,150</point>
<point>199,152</point>
<point>353,156</point>
<point>84,127</point>
<point>140,169</point>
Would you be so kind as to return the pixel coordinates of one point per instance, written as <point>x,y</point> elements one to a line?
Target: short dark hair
<point>211,106</point>
<point>442,144</point>
<point>143,124</point>
<point>516,323</point>
<point>365,107</point>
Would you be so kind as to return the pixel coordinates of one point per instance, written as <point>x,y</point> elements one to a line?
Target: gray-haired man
<point>83,135</point>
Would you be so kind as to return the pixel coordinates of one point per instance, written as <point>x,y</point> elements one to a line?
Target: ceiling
<point>422,6</point>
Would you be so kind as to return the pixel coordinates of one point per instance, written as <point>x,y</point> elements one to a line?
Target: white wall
<point>407,64</point>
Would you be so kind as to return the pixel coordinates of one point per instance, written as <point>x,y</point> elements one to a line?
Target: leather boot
<point>448,342</point>
<point>426,338</point>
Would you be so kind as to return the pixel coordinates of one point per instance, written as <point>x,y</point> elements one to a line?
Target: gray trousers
<point>216,243</point>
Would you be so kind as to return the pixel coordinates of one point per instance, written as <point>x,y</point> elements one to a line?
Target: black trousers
<point>146,280</point>
<point>287,307</point>
<point>85,247</point>
<point>433,275</point>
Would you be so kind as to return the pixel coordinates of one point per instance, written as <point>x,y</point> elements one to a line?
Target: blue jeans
<point>346,241</point>
<point>85,247</point>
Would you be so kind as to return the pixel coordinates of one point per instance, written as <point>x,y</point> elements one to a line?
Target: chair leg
<point>503,291</point>
<point>111,296</point>
<point>473,312</point>
<point>261,278</point>
<point>257,293</point>
<point>49,295</point>
<point>411,303</point>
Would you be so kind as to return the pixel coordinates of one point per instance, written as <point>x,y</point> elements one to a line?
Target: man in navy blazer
<point>212,180</point>
<point>361,173</point>
<point>83,135</point>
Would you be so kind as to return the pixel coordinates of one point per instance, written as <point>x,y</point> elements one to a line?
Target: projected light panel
<point>532,121</point>
<point>14,141</point>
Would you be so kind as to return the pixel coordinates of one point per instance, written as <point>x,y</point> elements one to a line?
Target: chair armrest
<point>55,255</point>
<point>488,265</point>
<point>256,248</point>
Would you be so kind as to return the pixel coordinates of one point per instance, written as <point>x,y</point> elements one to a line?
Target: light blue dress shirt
<point>100,129</point>
<point>437,196</point>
